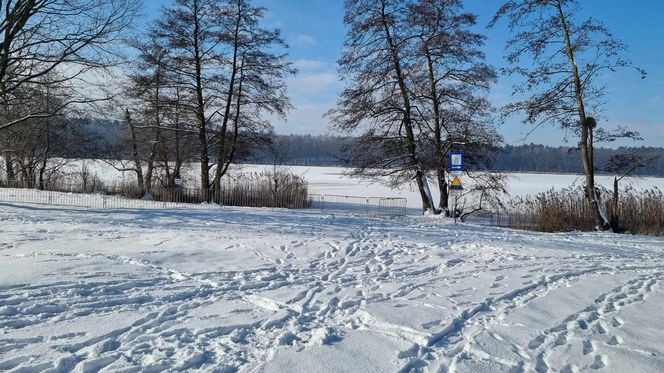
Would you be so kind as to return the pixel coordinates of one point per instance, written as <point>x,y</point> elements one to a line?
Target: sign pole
<point>456,170</point>
<point>456,189</point>
<point>456,201</point>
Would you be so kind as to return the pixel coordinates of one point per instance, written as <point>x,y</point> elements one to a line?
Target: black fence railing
<point>377,206</point>
<point>78,195</point>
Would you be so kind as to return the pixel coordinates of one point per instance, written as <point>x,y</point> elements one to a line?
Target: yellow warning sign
<point>456,184</point>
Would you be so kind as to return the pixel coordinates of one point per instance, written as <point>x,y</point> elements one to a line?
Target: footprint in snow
<point>600,328</point>
<point>570,369</point>
<point>601,361</point>
<point>588,347</point>
<point>615,340</point>
<point>535,343</point>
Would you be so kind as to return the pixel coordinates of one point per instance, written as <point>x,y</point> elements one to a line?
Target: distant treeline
<point>539,158</point>
<point>307,150</point>
<point>323,150</point>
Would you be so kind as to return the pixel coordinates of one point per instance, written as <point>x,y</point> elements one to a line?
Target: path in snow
<point>252,290</point>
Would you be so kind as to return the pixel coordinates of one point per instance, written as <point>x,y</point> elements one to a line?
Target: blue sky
<point>315,32</point>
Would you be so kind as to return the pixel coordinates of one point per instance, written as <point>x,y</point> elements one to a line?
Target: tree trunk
<point>45,157</point>
<point>9,168</point>
<point>588,168</point>
<point>443,203</point>
<point>153,157</point>
<point>586,151</point>
<point>420,176</point>
<point>200,111</point>
<point>178,155</point>
<point>615,213</point>
<point>138,167</point>
<point>149,174</point>
<point>221,155</point>
<point>236,123</point>
<point>154,147</point>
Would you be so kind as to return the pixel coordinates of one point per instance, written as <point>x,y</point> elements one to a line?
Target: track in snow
<point>206,291</point>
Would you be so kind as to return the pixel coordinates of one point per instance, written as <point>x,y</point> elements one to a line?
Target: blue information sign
<point>456,162</point>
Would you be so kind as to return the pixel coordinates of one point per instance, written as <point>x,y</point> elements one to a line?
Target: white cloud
<point>314,76</point>
<point>313,92</point>
<point>311,65</point>
<point>303,40</point>
<point>655,101</point>
<point>305,119</point>
<point>313,83</point>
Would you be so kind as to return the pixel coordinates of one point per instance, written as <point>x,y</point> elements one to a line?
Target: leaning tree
<point>564,82</point>
<point>377,103</point>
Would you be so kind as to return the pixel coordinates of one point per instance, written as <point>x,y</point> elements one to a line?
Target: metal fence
<point>100,200</point>
<point>376,206</point>
<point>505,220</point>
<point>75,196</point>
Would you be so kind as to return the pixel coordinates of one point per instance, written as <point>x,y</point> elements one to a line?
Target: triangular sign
<point>456,184</point>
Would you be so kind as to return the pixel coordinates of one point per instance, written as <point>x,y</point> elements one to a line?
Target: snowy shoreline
<point>333,181</point>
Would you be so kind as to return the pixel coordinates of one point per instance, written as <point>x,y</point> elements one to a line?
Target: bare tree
<point>135,153</point>
<point>256,84</point>
<point>564,84</point>
<point>72,38</point>
<point>377,102</point>
<point>178,140</point>
<point>148,93</point>
<point>454,81</point>
<point>192,31</point>
<point>155,93</point>
<point>34,145</point>
<point>485,194</point>
<point>58,44</point>
<point>227,68</point>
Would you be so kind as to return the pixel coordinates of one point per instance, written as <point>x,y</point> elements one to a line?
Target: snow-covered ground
<point>281,291</point>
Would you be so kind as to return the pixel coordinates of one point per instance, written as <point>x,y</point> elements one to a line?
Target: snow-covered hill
<point>281,291</point>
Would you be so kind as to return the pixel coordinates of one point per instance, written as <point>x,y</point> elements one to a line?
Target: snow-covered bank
<point>254,290</point>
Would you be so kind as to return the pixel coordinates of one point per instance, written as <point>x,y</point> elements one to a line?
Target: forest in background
<point>101,139</point>
<point>307,150</point>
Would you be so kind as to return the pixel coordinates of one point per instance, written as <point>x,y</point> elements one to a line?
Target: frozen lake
<point>332,180</point>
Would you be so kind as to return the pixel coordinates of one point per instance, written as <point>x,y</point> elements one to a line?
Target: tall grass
<point>638,212</point>
<point>642,212</point>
